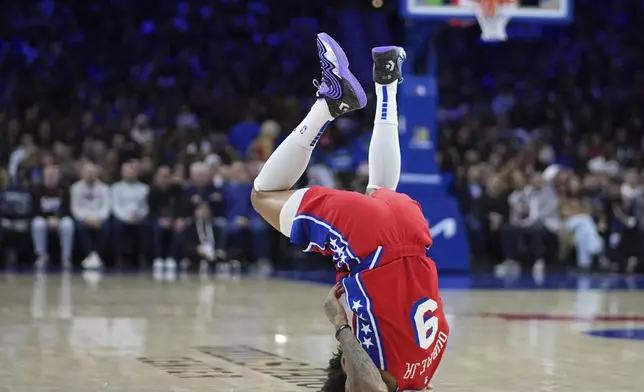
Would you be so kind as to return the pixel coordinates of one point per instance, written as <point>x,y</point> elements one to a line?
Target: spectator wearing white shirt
<point>129,199</point>
<point>90,205</point>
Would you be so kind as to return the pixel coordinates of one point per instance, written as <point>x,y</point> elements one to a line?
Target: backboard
<point>543,11</point>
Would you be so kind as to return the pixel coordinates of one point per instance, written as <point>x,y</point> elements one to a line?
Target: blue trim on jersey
<point>355,321</point>
<point>310,231</point>
<point>385,103</point>
<point>414,309</point>
<point>374,258</point>
<point>367,330</point>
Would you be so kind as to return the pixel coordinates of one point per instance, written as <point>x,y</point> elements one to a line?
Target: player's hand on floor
<point>333,307</point>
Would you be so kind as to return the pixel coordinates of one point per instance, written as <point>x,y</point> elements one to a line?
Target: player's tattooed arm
<point>362,373</point>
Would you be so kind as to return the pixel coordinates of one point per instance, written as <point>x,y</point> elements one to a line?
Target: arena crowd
<point>132,130</point>
<point>544,148</point>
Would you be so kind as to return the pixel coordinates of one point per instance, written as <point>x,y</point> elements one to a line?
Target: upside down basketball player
<point>392,333</point>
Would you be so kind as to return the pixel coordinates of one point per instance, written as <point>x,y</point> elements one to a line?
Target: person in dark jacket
<point>166,204</point>
<point>203,240</point>
<point>51,214</point>
<point>491,210</point>
<point>16,210</point>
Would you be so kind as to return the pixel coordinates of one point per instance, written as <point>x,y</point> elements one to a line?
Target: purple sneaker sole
<point>334,85</point>
<point>383,49</point>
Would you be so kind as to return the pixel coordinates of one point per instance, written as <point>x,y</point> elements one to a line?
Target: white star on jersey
<point>356,305</point>
<point>366,328</point>
<point>367,343</point>
<point>338,251</point>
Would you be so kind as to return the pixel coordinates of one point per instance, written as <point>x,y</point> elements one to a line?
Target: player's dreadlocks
<point>336,378</point>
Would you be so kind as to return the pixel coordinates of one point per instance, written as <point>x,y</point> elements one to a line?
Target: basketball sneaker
<point>341,90</point>
<point>387,64</point>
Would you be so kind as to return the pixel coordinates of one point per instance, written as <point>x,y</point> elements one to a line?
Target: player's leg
<point>384,149</point>
<point>339,92</point>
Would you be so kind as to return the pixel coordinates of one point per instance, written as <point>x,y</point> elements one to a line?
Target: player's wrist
<point>340,329</point>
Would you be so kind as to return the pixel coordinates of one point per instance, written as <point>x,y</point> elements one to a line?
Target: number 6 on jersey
<point>424,322</point>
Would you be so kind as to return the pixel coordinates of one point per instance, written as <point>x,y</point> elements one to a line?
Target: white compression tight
<point>384,149</point>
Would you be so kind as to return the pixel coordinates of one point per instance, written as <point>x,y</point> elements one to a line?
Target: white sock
<point>290,159</point>
<point>384,149</point>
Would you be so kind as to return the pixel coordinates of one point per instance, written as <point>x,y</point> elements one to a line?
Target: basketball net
<point>493,17</point>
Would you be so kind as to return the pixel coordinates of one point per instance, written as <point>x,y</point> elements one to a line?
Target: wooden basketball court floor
<point>130,333</point>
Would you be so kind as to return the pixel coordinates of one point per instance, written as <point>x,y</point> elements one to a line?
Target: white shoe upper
<point>170,264</point>
<point>92,261</point>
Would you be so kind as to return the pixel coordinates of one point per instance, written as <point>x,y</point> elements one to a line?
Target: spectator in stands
<point>202,190</point>
<point>129,199</point>
<point>16,210</point>
<point>491,211</point>
<point>24,157</point>
<point>90,205</point>
<point>203,240</point>
<point>225,153</point>
<point>533,226</point>
<point>519,211</point>
<point>579,228</point>
<point>244,226</point>
<point>45,137</point>
<point>166,212</point>
<point>126,148</point>
<point>631,188</point>
<point>624,237</point>
<point>263,146</point>
<point>467,188</point>
<point>142,133</point>
<point>186,120</point>
<point>52,214</point>
<point>243,133</point>
<point>543,218</point>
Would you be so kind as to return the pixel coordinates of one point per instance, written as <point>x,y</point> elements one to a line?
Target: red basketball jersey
<point>378,243</point>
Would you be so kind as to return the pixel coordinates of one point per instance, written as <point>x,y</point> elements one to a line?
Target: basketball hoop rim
<point>472,4</point>
<point>412,10</point>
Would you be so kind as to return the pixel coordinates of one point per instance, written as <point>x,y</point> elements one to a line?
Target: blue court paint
<point>628,334</point>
